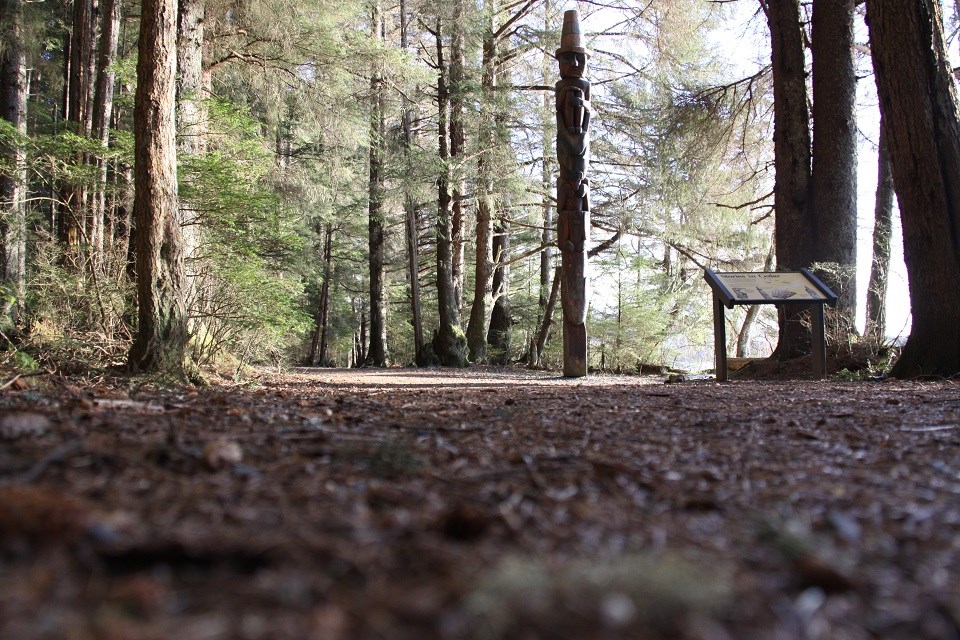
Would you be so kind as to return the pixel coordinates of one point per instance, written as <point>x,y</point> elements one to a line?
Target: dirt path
<point>484,503</point>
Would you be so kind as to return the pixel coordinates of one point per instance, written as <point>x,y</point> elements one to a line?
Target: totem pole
<point>573,205</point>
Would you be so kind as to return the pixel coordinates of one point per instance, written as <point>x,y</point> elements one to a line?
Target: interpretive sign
<point>780,287</point>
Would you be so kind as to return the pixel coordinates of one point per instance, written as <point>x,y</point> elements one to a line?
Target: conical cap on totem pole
<point>571,39</point>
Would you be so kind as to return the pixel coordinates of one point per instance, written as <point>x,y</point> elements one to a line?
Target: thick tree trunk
<point>791,142</point>
<point>876,325</point>
<point>449,342</point>
<point>13,188</point>
<point>412,228</point>
<point>377,354</point>
<point>162,335</point>
<point>102,116</point>
<point>498,336</point>
<point>834,175</point>
<point>919,111</point>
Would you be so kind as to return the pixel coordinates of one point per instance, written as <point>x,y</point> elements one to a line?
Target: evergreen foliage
<point>681,179</point>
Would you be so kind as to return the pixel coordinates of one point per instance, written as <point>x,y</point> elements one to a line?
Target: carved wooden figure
<point>573,191</point>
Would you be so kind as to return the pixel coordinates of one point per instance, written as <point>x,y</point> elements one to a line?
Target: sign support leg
<point>819,342</point>
<point>719,340</point>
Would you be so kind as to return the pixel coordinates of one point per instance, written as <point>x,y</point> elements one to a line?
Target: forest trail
<point>479,503</point>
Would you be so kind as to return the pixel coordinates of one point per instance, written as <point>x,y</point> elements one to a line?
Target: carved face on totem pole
<point>572,63</point>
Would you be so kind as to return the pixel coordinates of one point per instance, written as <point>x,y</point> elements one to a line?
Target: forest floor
<point>483,503</point>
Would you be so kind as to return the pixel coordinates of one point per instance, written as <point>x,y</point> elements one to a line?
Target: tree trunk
<point>449,342</point>
<point>547,182</point>
<point>13,188</point>
<point>498,336</point>
<point>482,307</point>
<point>191,112</point>
<point>162,334</point>
<point>319,346</point>
<point>412,228</point>
<point>79,82</point>
<point>743,337</point>
<point>377,354</point>
<point>791,142</point>
<point>543,333</point>
<point>919,111</point>
<point>834,174</point>
<point>102,116</point>
<point>876,325</point>
<point>457,92</point>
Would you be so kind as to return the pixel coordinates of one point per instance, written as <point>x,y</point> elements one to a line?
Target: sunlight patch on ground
<point>473,376</point>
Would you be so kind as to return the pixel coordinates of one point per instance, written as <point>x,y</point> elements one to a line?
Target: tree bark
<point>162,335</point>
<point>791,142</point>
<point>412,228</point>
<point>876,325</point>
<point>919,111</point>
<point>543,333</point>
<point>834,174</point>
<point>457,92</point>
<point>102,116</point>
<point>498,336</point>
<point>319,346</point>
<point>449,342</point>
<point>13,188</point>
<point>83,46</point>
<point>377,353</point>
<point>743,337</point>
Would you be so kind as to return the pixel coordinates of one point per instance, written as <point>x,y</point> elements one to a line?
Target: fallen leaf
<point>221,453</point>
<point>23,424</point>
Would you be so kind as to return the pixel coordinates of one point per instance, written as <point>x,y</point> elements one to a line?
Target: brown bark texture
<point>918,105</point>
<point>834,171</point>
<point>162,333</point>
<point>792,157</point>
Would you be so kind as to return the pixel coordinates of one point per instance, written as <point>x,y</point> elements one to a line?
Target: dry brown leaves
<point>480,504</point>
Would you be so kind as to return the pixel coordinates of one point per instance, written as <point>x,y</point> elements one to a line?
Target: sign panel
<point>773,287</point>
